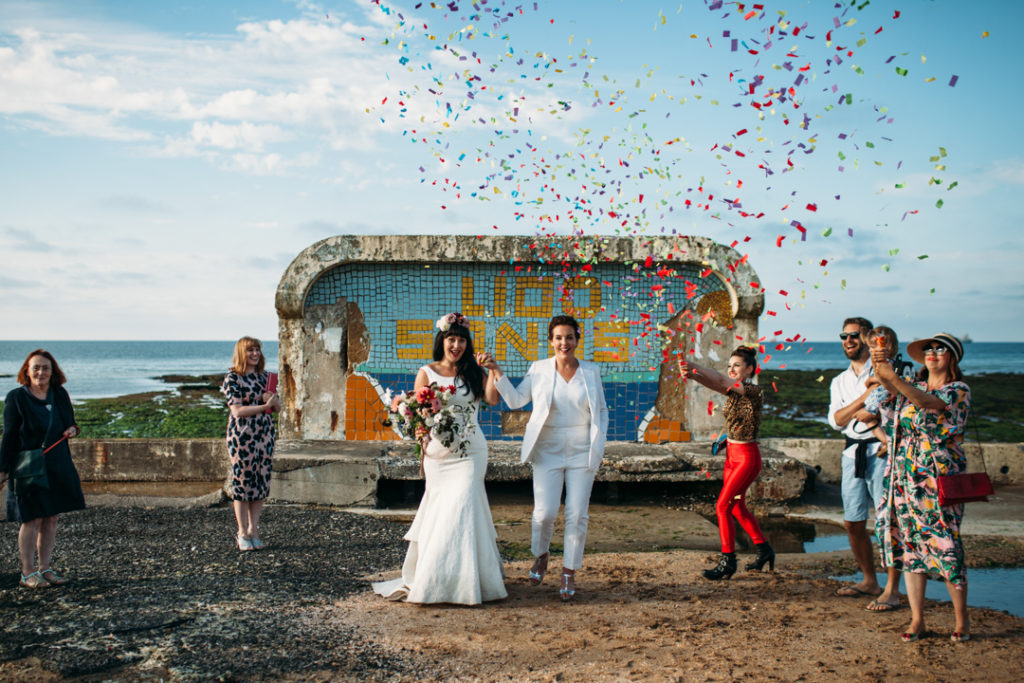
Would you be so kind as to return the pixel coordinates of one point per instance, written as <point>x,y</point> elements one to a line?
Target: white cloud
<point>1009,171</point>
<point>244,135</point>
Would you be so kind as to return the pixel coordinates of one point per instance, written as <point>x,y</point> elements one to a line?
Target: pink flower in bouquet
<point>435,404</point>
<point>424,394</point>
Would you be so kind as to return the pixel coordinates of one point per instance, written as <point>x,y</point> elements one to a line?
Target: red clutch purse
<point>955,489</point>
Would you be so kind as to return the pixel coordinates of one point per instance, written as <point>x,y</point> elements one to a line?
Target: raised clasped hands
<point>485,359</point>
<point>880,362</point>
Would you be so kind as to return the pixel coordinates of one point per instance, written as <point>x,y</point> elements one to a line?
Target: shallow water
<point>1001,588</point>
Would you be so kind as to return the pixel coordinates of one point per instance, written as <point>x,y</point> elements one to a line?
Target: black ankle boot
<point>765,554</point>
<point>726,568</point>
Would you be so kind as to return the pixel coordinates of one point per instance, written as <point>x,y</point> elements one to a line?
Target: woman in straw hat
<point>916,534</point>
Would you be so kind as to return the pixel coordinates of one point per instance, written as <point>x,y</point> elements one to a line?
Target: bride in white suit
<point>565,442</point>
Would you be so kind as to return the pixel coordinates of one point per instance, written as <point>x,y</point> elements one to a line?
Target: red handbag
<point>967,487</point>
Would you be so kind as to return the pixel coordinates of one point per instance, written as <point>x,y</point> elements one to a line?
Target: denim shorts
<point>861,496</point>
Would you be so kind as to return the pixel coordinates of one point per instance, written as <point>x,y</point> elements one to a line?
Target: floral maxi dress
<point>250,439</point>
<point>915,534</point>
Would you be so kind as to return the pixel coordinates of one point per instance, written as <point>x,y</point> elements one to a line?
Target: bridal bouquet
<point>429,416</point>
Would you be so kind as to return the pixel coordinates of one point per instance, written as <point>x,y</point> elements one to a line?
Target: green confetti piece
<point>887,267</point>
<point>842,157</point>
<point>953,184</point>
<point>826,232</point>
<point>938,204</point>
<point>900,186</point>
<point>942,151</point>
<point>849,98</point>
<point>932,291</point>
<point>893,252</point>
<point>869,144</point>
<point>842,284</point>
<point>901,71</point>
<point>922,257</point>
<point>859,70</point>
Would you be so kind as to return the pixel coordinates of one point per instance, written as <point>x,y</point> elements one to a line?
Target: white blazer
<point>539,385</point>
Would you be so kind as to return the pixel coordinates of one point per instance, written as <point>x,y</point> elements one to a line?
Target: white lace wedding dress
<point>453,552</point>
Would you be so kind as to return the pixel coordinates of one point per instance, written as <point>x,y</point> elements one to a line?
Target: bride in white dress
<point>453,551</point>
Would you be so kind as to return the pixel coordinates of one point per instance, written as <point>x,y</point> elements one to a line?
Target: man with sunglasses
<point>862,485</point>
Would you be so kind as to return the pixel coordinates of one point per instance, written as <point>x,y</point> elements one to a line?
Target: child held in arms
<point>873,415</point>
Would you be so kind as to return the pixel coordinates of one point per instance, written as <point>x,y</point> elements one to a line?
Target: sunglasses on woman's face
<point>936,350</point>
<point>849,335</point>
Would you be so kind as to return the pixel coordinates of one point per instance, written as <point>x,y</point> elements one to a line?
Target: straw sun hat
<point>914,348</point>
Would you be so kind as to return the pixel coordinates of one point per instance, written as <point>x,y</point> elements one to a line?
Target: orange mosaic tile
<point>660,430</point>
<point>364,412</point>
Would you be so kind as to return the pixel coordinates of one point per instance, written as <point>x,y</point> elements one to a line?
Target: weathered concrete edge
<point>207,459</point>
<point>1004,462</point>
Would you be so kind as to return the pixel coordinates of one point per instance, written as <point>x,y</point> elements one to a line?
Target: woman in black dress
<point>27,425</point>
<point>251,436</point>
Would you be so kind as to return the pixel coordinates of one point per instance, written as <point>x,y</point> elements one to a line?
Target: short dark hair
<point>467,368</point>
<point>563,320</point>
<point>56,375</point>
<point>747,354</point>
<point>859,322</point>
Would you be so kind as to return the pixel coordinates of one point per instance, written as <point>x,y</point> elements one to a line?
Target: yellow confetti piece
<point>984,34</point>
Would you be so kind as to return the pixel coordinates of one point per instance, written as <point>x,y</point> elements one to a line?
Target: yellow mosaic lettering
<point>611,341</point>
<point>505,336</point>
<point>589,286</point>
<point>470,308</point>
<point>546,285</point>
<point>417,336</point>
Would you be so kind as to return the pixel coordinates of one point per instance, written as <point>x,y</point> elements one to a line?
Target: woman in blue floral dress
<point>251,436</point>
<point>916,535</point>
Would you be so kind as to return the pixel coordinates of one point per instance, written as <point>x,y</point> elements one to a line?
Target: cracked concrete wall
<point>321,345</point>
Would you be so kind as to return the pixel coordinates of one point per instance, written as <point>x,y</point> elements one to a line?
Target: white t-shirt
<point>846,388</point>
<point>569,404</point>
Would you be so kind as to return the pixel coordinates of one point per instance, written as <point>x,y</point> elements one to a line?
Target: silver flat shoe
<point>565,592</point>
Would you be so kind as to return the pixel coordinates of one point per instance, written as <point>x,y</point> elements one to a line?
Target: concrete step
<point>347,472</point>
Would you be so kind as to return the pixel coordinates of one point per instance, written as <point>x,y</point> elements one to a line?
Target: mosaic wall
<point>509,310</point>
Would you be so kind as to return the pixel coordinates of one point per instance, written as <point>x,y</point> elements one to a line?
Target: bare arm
<point>848,412</point>
<point>491,395</point>
<point>712,379</point>
<point>271,402</point>
<point>421,379</point>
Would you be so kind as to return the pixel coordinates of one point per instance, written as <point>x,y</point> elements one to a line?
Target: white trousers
<point>561,457</point>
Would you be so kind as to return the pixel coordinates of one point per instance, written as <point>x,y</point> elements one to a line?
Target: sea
<point>100,369</point>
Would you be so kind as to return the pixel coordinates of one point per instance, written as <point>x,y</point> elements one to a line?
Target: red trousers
<point>742,465</point>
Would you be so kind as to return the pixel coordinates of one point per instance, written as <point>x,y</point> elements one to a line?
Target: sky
<point>163,163</point>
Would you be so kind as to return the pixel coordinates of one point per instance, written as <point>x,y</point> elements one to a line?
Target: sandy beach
<point>161,593</point>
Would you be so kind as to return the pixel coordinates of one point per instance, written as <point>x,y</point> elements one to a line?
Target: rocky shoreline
<point>161,593</point>
<point>164,593</point>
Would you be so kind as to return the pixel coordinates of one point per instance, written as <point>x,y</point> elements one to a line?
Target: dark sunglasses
<point>849,335</point>
<point>937,350</point>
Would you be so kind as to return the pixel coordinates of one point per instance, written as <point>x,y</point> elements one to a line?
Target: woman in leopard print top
<point>742,459</point>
